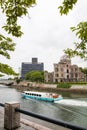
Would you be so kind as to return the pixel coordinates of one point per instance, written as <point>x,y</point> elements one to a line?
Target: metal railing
<point>57,122</point>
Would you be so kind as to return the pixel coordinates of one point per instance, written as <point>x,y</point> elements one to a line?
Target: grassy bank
<point>77,83</point>
<point>64,85</point>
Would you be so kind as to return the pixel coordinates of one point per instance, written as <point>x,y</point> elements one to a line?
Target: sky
<point>46,34</point>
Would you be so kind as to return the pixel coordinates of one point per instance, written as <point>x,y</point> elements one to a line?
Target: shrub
<point>18,81</point>
<point>63,85</point>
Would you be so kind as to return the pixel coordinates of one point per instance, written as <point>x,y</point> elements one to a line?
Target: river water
<point>72,109</point>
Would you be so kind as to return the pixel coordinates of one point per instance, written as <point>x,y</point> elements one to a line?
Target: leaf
<point>67,5</point>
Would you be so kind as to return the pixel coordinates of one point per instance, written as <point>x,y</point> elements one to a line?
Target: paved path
<point>26,124</point>
<point>23,126</point>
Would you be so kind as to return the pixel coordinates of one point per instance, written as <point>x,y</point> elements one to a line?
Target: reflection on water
<point>71,110</point>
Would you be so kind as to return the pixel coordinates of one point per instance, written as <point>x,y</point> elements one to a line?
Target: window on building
<point>75,69</point>
<point>76,75</point>
<point>56,80</point>
<point>67,76</point>
<point>67,71</point>
<point>57,75</point>
<point>56,69</point>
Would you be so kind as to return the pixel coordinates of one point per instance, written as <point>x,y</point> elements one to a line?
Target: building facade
<point>48,77</point>
<point>32,66</point>
<point>64,71</point>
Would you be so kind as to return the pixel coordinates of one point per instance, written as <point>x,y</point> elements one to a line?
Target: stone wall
<point>22,88</point>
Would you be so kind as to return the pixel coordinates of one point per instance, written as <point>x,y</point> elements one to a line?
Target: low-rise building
<point>64,71</point>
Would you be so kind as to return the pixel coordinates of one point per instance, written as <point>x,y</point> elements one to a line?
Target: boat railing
<point>12,113</point>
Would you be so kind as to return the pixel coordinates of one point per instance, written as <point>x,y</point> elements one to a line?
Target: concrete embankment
<point>50,88</point>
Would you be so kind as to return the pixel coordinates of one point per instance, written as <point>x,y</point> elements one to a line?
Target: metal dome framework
<point>65,58</point>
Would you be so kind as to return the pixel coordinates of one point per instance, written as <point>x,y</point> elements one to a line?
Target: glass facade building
<point>33,66</point>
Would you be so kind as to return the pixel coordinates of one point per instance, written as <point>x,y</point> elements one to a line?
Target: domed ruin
<point>65,58</point>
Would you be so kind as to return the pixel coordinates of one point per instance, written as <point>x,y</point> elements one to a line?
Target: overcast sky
<point>47,34</point>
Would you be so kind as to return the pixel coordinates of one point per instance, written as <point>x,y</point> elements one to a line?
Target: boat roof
<point>35,92</point>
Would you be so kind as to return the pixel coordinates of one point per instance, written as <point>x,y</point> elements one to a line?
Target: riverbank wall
<point>54,89</point>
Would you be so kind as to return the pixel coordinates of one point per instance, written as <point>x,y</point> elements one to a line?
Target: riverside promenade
<point>26,124</point>
<point>23,126</point>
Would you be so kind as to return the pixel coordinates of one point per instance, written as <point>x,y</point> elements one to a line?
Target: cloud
<point>47,34</point>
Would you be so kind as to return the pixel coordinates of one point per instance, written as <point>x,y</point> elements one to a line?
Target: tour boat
<point>51,97</point>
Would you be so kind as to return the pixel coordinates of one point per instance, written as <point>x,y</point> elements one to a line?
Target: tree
<point>84,70</point>
<point>80,48</point>
<point>13,9</point>
<point>6,45</point>
<point>37,76</point>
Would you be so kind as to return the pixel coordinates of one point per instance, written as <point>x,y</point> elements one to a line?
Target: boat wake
<point>72,102</point>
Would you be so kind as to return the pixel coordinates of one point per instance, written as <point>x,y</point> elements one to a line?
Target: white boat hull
<point>42,98</point>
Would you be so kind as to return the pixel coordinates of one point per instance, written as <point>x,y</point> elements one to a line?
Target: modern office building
<point>31,66</point>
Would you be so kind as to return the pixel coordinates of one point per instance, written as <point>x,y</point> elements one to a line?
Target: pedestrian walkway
<point>26,124</point>
<point>22,127</point>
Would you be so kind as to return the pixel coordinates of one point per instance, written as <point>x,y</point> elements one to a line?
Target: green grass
<point>76,83</point>
<point>63,85</point>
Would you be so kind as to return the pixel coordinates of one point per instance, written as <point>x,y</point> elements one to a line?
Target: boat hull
<point>41,98</point>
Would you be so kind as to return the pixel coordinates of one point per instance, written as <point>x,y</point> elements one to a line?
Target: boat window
<point>33,94</point>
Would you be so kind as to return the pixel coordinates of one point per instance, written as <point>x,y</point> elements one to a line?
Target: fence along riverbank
<point>12,118</point>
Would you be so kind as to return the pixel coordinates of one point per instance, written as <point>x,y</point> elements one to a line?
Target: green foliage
<point>6,69</point>
<point>80,48</point>
<point>18,81</point>
<point>6,45</point>
<point>84,70</point>
<point>13,9</point>
<point>37,76</point>
<point>63,85</point>
<point>74,83</point>
<point>1,75</point>
<point>66,6</point>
